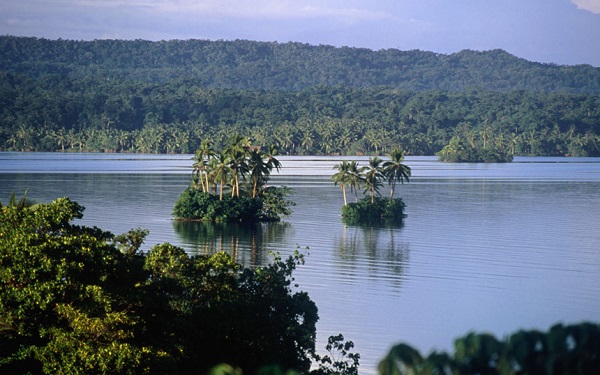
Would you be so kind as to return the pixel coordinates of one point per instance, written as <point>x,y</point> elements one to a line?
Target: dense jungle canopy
<point>168,96</point>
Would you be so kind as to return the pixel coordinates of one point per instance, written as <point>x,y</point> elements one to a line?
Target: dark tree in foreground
<point>75,299</point>
<point>562,350</point>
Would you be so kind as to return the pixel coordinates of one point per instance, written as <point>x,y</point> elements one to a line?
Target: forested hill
<point>243,64</point>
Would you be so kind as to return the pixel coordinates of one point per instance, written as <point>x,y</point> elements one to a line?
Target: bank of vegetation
<point>167,97</point>
<point>230,185</point>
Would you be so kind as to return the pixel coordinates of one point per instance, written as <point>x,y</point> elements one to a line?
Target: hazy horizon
<point>565,32</point>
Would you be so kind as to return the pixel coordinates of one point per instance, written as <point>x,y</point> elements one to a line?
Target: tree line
<point>91,115</point>
<point>166,97</point>
<point>251,65</point>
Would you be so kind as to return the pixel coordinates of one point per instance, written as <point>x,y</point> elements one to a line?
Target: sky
<point>564,32</point>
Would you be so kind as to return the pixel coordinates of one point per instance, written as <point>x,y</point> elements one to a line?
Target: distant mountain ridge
<point>249,65</point>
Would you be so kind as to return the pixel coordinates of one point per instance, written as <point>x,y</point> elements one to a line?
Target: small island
<point>230,185</point>
<point>469,150</point>
<point>373,208</point>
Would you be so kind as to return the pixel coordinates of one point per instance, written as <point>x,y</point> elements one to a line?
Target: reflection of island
<point>375,248</point>
<point>245,243</point>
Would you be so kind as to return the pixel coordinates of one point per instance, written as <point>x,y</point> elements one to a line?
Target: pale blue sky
<point>550,31</point>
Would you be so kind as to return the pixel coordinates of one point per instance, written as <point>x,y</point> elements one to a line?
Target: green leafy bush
<point>381,209</point>
<point>194,204</point>
<point>275,203</point>
<point>270,205</point>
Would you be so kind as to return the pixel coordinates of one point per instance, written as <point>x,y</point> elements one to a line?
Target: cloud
<point>589,5</point>
<point>257,9</point>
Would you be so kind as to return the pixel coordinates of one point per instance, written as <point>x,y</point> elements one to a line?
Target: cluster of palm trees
<point>219,170</point>
<point>351,175</point>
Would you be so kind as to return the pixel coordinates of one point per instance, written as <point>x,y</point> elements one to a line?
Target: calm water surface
<point>485,247</point>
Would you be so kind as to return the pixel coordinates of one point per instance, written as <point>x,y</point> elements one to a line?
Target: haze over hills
<point>243,64</point>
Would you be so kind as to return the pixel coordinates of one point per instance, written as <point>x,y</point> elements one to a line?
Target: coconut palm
<point>395,170</point>
<point>273,162</point>
<point>199,170</point>
<point>237,152</point>
<point>222,171</point>
<point>355,179</point>
<point>373,173</point>
<point>202,159</point>
<point>342,177</point>
<point>259,169</point>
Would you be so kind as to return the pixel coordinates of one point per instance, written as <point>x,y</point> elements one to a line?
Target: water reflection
<point>376,248</point>
<point>247,243</point>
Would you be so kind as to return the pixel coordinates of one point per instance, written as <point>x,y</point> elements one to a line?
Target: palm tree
<point>259,168</point>
<point>395,170</point>
<point>237,151</point>
<point>61,138</point>
<point>355,179</point>
<point>221,171</point>
<point>373,139</point>
<point>342,177</point>
<point>273,162</point>
<point>373,173</point>
<point>199,170</point>
<point>202,159</point>
<point>308,140</point>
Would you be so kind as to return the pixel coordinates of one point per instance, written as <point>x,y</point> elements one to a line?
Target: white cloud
<point>589,5</point>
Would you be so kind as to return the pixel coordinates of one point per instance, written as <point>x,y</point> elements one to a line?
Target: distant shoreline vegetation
<point>230,185</point>
<point>373,208</point>
<point>461,150</point>
<point>167,97</point>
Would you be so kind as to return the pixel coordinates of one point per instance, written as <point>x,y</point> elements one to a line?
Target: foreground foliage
<point>563,350</point>
<point>76,299</point>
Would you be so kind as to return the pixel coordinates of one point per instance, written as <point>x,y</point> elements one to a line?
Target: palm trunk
<point>221,190</point>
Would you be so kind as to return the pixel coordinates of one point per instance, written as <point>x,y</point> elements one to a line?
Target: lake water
<point>485,247</point>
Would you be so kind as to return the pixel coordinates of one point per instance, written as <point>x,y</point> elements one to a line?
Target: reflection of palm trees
<point>248,244</point>
<point>375,246</point>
